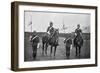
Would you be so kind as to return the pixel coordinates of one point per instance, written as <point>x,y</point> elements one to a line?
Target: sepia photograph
<point>56,35</point>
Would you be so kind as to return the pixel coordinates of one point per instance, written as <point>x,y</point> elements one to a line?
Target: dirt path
<point>60,52</point>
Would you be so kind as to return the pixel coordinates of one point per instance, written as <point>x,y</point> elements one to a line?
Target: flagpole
<point>63,25</point>
<point>31,27</point>
<point>31,23</point>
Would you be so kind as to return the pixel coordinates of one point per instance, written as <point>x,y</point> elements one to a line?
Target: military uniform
<point>50,30</point>
<point>35,41</point>
<point>68,43</point>
<point>78,34</point>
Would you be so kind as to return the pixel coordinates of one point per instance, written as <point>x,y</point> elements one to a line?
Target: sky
<point>39,21</point>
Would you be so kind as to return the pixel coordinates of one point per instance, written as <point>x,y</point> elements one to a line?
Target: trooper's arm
<point>65,40</point>
<point>81,32</point>
<point>75,32</point>
<point>47,29</point>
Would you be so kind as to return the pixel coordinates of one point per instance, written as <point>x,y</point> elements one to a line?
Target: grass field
<point>60,52</point>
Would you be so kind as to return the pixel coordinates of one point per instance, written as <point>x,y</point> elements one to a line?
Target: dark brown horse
<point>78,43</point>
<point>51,40</point>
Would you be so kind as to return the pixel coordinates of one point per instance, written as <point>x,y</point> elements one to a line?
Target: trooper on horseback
<point>78,32</point>
<point>78,40</point>
<point>50,38</point>
<point>50,29</point>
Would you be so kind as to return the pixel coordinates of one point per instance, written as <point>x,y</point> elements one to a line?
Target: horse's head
<point>56,32</point>
<point>45,37</point>
<point>79,40</point>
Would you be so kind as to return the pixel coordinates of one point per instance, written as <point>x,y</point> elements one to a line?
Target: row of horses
<point>47,40</point>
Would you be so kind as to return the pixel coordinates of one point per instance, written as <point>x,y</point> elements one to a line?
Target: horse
<point>51,40</point>
<point>78,43</point>
<point>45,40</point>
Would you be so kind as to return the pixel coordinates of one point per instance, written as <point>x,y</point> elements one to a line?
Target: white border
<point>33,64</point>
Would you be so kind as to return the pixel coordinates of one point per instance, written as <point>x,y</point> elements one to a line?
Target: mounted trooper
<point>78,40</point>
<point>51,32</point>
<point>50,29</point>
<point>78,31</point>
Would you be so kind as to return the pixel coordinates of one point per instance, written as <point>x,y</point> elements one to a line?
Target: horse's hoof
<point>67,57</point>
<point>76,55</point>
<point>50,55</point>
<point>34,58</point>
<point>54,57</point>
<point>42,53</point>
<point>79,55</point>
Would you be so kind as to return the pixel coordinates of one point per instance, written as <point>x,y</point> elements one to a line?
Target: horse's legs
<point>76,50</point>
<point>46,46</point>
<point>43,48</point>
<point>79,50</point>
<point>55,50</point>
<point>51,50</point>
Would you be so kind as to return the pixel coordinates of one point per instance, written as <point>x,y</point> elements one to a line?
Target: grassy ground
<point>60,52</point>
